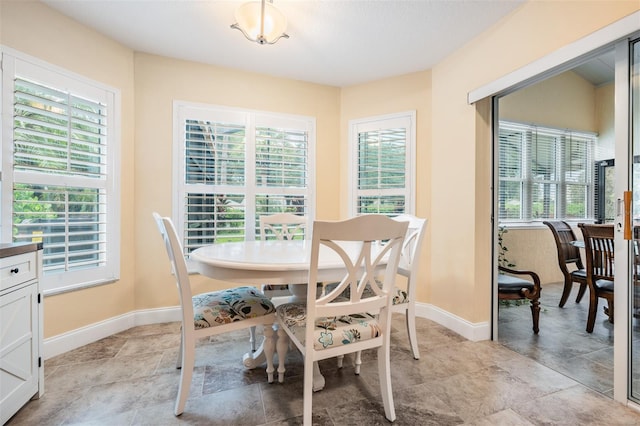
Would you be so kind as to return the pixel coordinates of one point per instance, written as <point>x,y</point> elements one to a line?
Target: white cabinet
<point>21,369</point>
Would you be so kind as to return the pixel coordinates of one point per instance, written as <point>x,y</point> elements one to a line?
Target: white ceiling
<point>600,70</point>
<point>333,42</point>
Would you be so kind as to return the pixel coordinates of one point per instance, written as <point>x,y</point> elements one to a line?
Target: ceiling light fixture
<point>261,22</point>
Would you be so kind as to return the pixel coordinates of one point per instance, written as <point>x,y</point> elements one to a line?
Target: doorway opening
<point>556,148</point>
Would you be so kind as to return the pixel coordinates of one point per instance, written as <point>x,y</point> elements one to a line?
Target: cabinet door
<point>18,349</point>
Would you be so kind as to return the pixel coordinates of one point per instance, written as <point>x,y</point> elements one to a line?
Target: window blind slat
<point>281,157</point>
<point>382,165</point>
<point>544,173</point>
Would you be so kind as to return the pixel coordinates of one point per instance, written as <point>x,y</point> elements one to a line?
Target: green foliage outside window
<point>26,206</point>
<point>502,249</point>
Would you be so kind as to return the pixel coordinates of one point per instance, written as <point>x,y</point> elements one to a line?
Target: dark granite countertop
<point>12,249</point>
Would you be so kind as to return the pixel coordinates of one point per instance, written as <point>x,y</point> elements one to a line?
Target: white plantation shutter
<point>511,181</point>
<point>281,157</point>
<point>578,175</point>
<point>237,165</point>
<point>382,159</point>
<point>544,179</point>
<point>62,174</point>
<point>284,161</point>
<point>214,153</point>
<point>544,173</point>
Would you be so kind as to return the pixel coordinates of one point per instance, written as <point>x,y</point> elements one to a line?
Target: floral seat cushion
<point>400,296</point>
<point>329,331</point>
<point>226,306</point>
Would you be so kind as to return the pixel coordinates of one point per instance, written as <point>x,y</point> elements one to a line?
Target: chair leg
<point>411,329</point>
<point>581,291</point>
<point>384,373</point>
<point>179,360</point>
<point>269,347</point>
<point>565,291</point>
<point>318,378</point>
<point>282,347</point>
<point>535,314</point>
<point>357,362</point>
<point>188,361</point>
<point>340,360</point>
<point>609,310</point>
<point>252,338</point>
<point>593,310</point>
<point>308,391</point>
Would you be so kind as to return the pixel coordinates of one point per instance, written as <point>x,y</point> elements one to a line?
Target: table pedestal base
<point>277,340</point>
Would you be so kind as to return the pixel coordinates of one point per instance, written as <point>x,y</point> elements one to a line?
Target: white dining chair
<point>404,300</point>
<point>330,325</point>
<point>279,226</point>
<point>211,313</point>
<point>282,226</point>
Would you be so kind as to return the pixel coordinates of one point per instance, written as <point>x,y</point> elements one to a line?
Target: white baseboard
<point>471,331</point>
<point>65,342</point>
<point>73,339</point>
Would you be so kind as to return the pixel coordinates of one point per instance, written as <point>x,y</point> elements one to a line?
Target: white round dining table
<point>268,262</point>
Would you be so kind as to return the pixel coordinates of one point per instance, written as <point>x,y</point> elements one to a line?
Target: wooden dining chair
<point>330,324</point>
<point>212,313</point>
<point>599,249</point>
<point>568,255</point>
<point>511,286</point>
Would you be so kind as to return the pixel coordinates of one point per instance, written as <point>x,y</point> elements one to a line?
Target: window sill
<point>76,287</point>
<point>540,225</point>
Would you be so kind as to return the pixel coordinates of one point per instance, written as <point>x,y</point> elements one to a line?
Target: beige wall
<point>566,101</point>
<point>62,42</point>
<point>454,153</point>
<point>160,81</point>
<point>534,249</point>
<point>461,212</point>
<point>396,94</point>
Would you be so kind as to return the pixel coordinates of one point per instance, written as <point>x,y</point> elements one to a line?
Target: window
<point>59,186</point>
<point>544,173</point>
<point>233,166</point>
<point>382,160</point>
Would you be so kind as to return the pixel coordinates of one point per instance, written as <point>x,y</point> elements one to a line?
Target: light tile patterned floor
<point>130,379</point>
<point>563,343</point>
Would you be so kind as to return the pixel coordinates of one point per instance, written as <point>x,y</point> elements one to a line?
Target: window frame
<point>406,120</point>
<point>17,64</point>
<point>184,110</point>
<point>527,181</point>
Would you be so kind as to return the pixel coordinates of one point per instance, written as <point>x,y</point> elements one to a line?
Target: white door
<point>632,278</point>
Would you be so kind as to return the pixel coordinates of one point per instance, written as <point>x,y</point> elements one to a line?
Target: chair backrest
<point>283,226</point>
<point>567,252</point>
<point>599,250</point>
<point>178,265</point>
<point>412,246</point>
<point>378,243</point>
